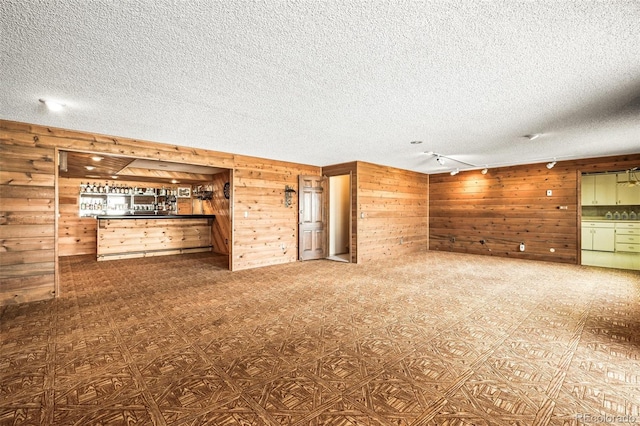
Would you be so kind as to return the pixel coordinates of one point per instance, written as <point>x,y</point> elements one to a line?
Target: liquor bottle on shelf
<point>106,187</point>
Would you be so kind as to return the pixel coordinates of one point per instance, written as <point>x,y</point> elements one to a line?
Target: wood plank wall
<point>27,216</point>
<point>76,235</point>
<point>268,234</point>
<point>220,207</point>
<point>28,224</point>
<point>395,206</point>
<point>509,205</point>
<point>341,170</point>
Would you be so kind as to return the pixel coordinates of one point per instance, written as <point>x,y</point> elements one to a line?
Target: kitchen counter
<point>601,219</point>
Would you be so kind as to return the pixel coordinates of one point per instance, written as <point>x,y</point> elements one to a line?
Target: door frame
<point>351,198</point>
<point>328,210</point>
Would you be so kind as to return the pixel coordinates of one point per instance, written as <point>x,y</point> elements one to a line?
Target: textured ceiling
<point>324,82</point>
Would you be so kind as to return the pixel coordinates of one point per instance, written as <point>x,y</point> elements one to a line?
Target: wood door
<point>312,235</point>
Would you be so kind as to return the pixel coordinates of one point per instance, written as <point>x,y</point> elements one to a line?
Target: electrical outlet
<point>549,193</point>
<point>521,246</point>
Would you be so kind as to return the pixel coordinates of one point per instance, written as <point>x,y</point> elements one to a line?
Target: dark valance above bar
<point>141,216</point>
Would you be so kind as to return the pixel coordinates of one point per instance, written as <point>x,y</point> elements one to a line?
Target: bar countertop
<point>159,216</point>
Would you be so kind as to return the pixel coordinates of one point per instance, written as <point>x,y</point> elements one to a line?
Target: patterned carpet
<point>429,339</point>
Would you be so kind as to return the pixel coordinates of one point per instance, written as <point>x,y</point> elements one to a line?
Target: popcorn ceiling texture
<point>327,82</point>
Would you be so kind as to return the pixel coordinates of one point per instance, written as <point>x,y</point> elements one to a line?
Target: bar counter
<point>129,236</point>
<point>158,216</point>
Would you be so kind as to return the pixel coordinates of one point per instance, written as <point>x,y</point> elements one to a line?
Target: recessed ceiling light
<point>89,167</point>
<point>416,142</point>
<point>93,176</point>
<point>52,105</point>
<point>97,158</point>
<point>114,177</point>
<point>174,181</point>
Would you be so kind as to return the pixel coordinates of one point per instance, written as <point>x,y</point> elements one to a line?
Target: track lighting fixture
<point>551,164</point>
<point>441,160</point>
<point>485,171</point>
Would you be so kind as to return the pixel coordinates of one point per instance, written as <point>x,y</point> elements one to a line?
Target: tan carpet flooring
<point>428,339</point>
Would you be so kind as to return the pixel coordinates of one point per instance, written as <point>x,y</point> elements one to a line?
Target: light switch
<point>549,192</point>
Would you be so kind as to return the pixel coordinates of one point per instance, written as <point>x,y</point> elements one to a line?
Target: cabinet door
<point>605,186</point>
<point>587,238</point>
<point>588,190</point>
<point>627,195</point>
<point>604,239</point>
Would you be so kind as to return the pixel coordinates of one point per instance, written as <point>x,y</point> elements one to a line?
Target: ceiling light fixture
<point>97,158</point>
<point>485,171</point>
<point>551,164</point>
<point>455,172</point>
<point>89,167</point>
<point>174,181</point>
<point>52,105</point>
<point>533,136</point>
<point>114,177</point>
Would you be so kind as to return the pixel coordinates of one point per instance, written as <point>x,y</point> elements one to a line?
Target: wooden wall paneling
<point>509,205</point>
<point>395,206</point>
<point>76,235</point>
<point>220,206</point>
<point>259,182</point>
<point>49,137</point>
<point>269,233</point>
<point>27,221</point>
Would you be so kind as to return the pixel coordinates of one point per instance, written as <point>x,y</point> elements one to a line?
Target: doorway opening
<point>339,218</point>
<point>609,226</point>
